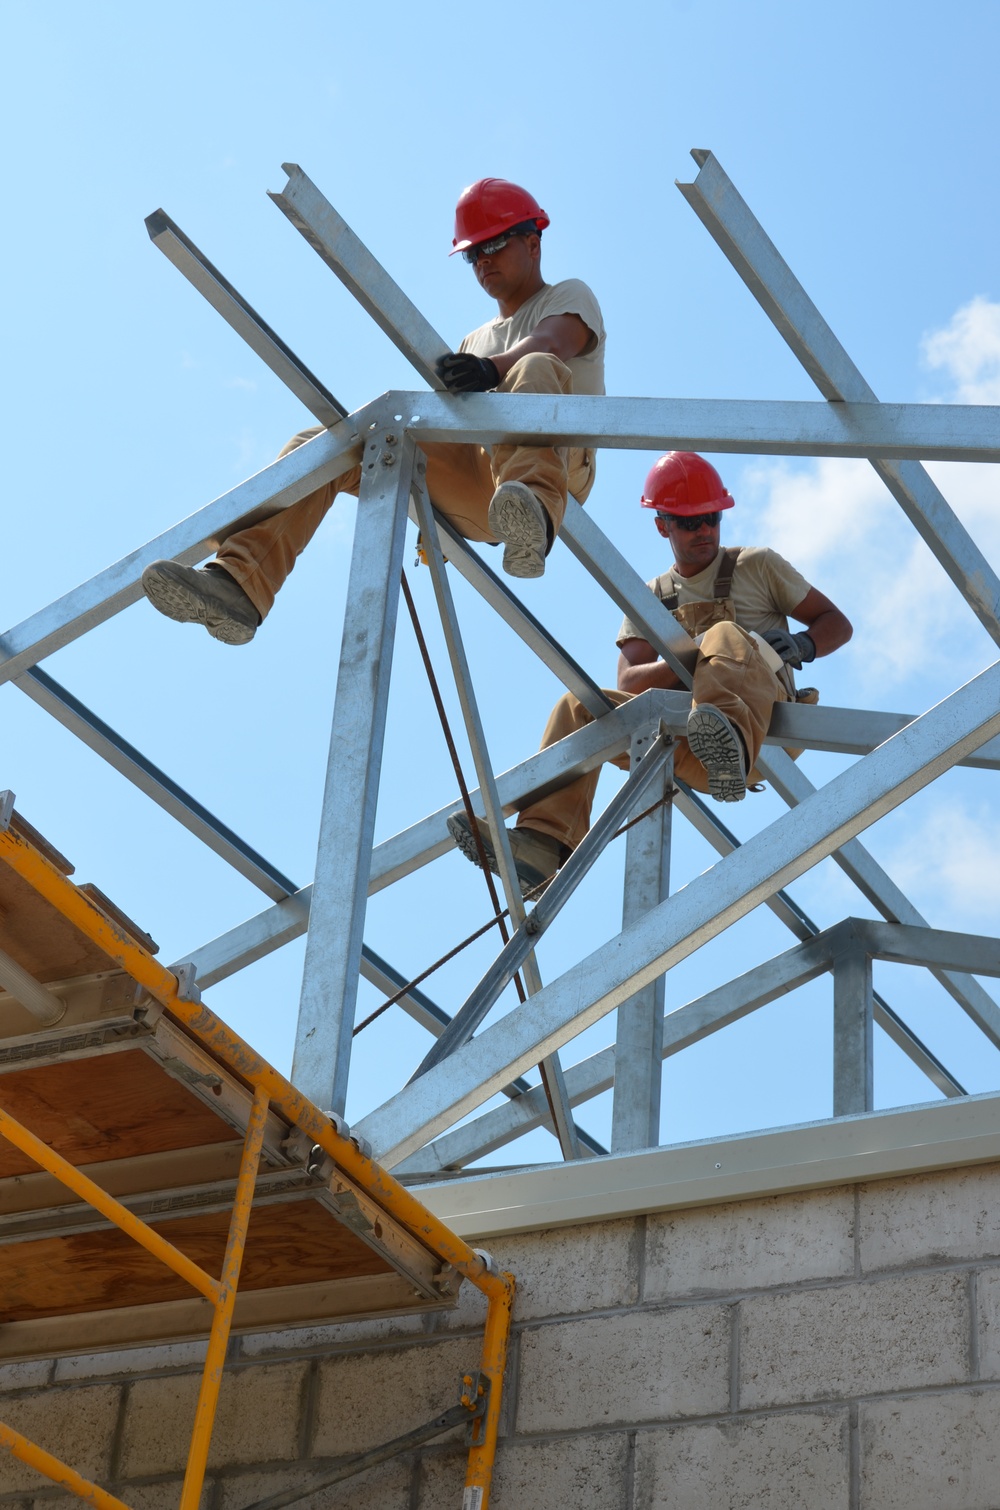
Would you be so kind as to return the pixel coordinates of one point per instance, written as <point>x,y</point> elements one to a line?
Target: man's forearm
<point>829,631</point>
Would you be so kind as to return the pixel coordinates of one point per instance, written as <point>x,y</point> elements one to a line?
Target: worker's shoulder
<point>760,558</point>
<point>571,285</point>
<point>570,295</point>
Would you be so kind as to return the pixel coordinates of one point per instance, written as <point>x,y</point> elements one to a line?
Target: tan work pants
<point>730,674</point>
<point>461,480</point>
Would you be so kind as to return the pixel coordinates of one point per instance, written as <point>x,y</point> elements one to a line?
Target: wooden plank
<point>288,1243</point>
<point>173,1169</point>
<point>184,1320</point>
<point>37,935</point>
<point>118,1106</point>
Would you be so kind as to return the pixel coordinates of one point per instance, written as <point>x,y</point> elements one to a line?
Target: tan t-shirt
<point>570,297</point>
<point>765,589</point>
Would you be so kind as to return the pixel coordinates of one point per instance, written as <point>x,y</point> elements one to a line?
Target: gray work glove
<point>461,372</point>
<point>795,649</point>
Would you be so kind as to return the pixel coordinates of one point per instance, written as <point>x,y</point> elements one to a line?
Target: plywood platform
<point>128,1096</point>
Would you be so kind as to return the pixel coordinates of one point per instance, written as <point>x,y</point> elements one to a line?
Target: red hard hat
<point>682,482</point>
<point>489,207</point>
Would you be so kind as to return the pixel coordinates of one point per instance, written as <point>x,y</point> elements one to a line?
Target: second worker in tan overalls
<point>736,603</point>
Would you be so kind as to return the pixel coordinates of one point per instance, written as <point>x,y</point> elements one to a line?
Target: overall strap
<point>724,576</point>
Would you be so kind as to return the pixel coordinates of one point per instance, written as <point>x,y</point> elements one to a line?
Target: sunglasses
<point>472,254</point>
<point>692,522</point>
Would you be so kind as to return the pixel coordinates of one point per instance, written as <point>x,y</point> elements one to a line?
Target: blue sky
<point>862,135</point>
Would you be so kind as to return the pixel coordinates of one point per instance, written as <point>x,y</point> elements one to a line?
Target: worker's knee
<point>538,372</point>
<point>727,640</point>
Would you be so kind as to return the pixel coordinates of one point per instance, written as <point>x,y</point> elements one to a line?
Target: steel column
<point>340,890</point>
<point>635,1118</point>
<point>853,1031</point>
<point>550,1068</point>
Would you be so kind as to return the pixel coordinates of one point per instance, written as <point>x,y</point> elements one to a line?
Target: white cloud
<point>967,350</point>
<point>240,382</point>
<point>841,527</point>
<point>837,523</point>
<point>952,856</point>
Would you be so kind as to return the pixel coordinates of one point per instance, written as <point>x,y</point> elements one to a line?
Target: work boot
<point>202,595</point>
<point>719,746</point>
<point>518,519</point>
<point>537,856</point>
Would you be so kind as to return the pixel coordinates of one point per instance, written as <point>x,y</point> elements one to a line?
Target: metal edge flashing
<point>806,1156</point>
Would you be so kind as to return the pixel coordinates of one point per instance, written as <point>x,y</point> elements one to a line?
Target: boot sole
<point>528,876</point>
<point>524,535</point>
<point>173,597</point>
<point>713,741</point>
<point>465,840</point>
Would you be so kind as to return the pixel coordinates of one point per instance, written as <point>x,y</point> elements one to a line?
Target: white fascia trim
<point>872,1146</point>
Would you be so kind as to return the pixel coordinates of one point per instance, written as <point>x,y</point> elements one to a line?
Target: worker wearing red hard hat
<point>545,338</point>
<point>736,603</point>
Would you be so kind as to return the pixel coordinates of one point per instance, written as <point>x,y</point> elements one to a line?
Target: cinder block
<point>749,1245</point>
<point>76,1425</point>
<point>929,1217</point>
<point>560,1271</point>
<point>647,1365</point>
<point>324,1339</point>
<point>988,1321</point>
<point>33,1374</point>
<point>784,1462</point>
<point>130,1361</point>
<point>587,1473</point>
<point>901,1333</point>
<point>932,1452</point>
<point>369,1398</point>
<point>159,1496</point>
<point>258,1419</point>
<point>384,1488</point>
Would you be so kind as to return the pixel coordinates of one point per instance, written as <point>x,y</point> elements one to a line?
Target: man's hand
<point>461,372</point>
<point>794,649</point>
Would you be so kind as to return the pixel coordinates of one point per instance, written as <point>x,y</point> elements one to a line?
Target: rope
<point>498,918</point>
<point>419,979</point>
<point>498,914</point>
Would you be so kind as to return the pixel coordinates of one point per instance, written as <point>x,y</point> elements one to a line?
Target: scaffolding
<point>416,1131</point>
<point>128,1075</point>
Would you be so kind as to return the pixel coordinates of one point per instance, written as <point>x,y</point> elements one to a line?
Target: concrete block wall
<point>835,1349</point>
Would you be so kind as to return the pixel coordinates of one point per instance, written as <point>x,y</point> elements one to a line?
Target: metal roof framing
<point>416,1129</point>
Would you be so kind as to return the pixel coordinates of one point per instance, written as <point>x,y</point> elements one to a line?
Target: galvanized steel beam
<point>322,1058</point>
<point>736,230</point>
<point>165,234</point>
<point>550,1067</point>
<point>635,1110</point>
<point>680,925</point>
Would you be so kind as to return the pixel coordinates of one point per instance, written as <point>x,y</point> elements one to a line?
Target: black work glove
<point>461,372</point>
<point>795,649</point>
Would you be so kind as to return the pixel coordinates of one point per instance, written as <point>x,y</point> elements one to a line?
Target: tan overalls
<point>461,480</point>
<point>731,674</point>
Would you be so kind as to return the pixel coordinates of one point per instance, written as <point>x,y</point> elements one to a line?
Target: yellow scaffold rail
<point>271,1090</point>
